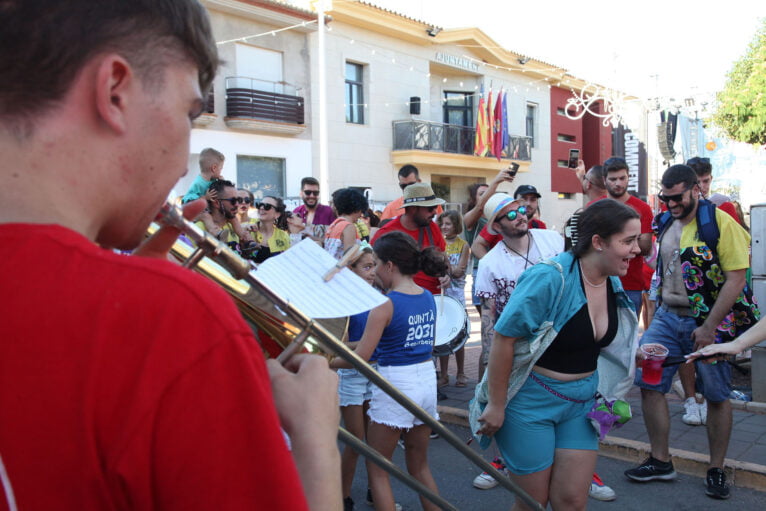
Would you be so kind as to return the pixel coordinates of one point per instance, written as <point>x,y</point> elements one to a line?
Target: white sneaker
<point>484,481</point>
<point>600,491</point>
<point>692,416</point>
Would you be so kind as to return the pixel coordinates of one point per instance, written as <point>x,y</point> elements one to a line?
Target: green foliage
<point>741,111</point>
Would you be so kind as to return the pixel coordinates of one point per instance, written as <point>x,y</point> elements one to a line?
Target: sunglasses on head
<point>514,214</point>
<point>675,198</point>
<point>264,206</point>
<point>233,201</point>
<point>309,193</point>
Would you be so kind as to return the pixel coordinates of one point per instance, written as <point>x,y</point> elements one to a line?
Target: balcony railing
<point>261,99</point>
<point>450,138</point>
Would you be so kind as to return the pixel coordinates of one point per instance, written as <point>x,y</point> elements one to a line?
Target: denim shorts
<point>538,422</point>
<point>353,387</point>
<point>417,382</point>
<point>674,332</point>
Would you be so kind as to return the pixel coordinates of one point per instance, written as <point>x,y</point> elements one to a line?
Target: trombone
<point>274,319</point>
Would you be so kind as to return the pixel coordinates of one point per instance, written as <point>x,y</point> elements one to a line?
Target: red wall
<point>593,140</point>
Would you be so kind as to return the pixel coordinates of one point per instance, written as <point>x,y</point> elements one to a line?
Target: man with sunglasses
<point>420,204</point>
<point>407,175</point>
<point>220,218</point>
<point>311,211</point>
<point>616,184</point>
<point>700,302</point>
<point>519,248</point>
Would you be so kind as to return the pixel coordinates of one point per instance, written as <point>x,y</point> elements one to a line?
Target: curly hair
<point>347,201</point>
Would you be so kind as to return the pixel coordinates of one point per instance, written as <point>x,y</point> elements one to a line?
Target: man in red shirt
<point>419,203</point>
<point>704,171</point>
<point>138,385</point>
<point>407,175</point>
<point>530,196</point>
<point>616,183</point>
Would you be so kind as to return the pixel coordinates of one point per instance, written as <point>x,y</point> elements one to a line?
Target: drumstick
<point>344,261</point>
<point>441,303</point>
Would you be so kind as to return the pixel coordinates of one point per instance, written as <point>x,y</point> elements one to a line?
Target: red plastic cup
<point>651,367</point>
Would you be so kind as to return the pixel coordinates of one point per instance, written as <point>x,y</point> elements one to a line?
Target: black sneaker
<point>348,504</point>
<point>652,469</point>
<point>715,484</point>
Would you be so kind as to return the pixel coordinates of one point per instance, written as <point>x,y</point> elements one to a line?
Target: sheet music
<point>297,274</point>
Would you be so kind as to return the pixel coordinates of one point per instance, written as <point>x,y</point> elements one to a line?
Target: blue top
<point>547,295</point>
<point>197,189</point>
<point>356,325</point>
<point>409,337</point>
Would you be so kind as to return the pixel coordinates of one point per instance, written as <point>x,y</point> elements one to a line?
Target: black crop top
<point>575,350</point>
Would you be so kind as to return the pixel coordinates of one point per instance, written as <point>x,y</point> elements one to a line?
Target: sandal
<point>442,382</point>
<point>461,380</point>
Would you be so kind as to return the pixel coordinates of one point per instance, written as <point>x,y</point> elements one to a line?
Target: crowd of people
<point>144,388</point>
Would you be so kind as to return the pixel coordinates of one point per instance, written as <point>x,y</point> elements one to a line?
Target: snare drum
<point>453,327</point>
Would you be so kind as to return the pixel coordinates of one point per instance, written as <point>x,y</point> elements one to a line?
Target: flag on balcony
<point>480,141</point>
<point>506,137</point>
<point>497,127</point>
<point>490,125</point>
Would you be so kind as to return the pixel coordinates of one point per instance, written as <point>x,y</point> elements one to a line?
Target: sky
<point>653,48</point>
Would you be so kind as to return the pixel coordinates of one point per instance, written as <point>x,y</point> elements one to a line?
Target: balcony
<point>450,138</point>
<point>207,117</point>
<point>262,105</point>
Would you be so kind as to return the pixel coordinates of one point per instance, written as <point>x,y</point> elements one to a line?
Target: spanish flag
<point>480,142</point>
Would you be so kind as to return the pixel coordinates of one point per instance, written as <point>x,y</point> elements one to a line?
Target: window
<point>458,108</point>
<point>531,114</point>
<point>264,66</point>
<point>261,175</point>
<point>354,93</point>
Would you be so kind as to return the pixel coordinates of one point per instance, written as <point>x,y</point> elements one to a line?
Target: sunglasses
<point>264,206</point>
<point>405,185</point>
<point>696,160</point>
<point>430,209</point>
<point>309,193</point>
<point>675,198</point>
<point>514,214</point>
<point>245,200</point>
<point>233,201</point>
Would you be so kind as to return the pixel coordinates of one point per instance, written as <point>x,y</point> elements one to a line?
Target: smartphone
<point>513,169</point>
<point>574,158</point>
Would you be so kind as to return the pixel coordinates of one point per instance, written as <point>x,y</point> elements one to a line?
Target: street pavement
<point>454,474</point>
<point>746,457</point>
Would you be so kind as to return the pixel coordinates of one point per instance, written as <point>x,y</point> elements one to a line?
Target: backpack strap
<point>707,226</point>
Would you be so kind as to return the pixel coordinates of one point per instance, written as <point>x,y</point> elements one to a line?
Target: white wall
<point>296,152</point>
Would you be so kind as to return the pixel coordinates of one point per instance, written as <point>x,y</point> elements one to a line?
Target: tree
<point>741,111</point>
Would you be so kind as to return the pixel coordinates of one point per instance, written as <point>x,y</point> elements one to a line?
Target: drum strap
<point>427,232</point>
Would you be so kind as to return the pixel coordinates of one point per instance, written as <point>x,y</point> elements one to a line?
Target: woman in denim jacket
<point>568,331</point>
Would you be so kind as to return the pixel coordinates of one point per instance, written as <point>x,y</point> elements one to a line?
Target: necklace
<point>585,279</point>
<point>525,257</point>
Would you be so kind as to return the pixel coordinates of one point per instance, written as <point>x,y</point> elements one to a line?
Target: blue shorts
<point>353,388</point>
<point>538,422</point>
<point>674,332</point>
